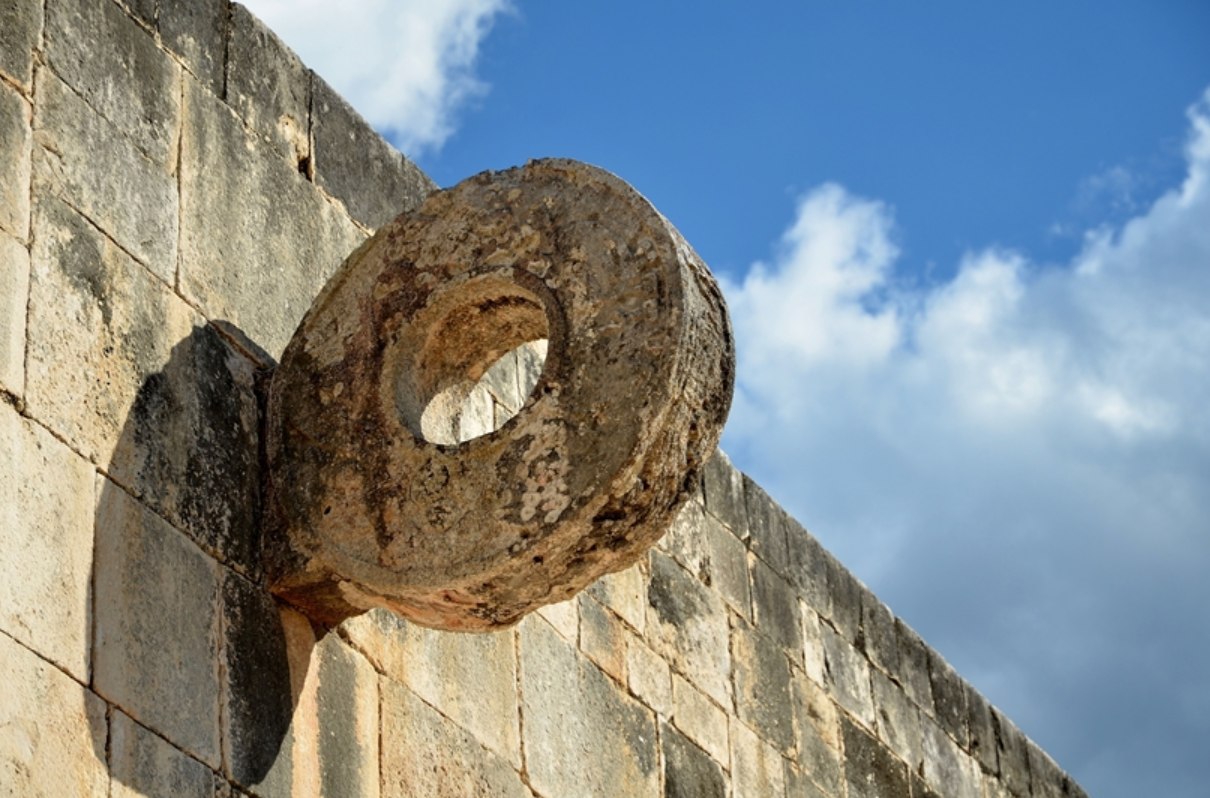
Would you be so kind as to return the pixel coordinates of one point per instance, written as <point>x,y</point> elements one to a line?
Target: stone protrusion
<point>379,501</point>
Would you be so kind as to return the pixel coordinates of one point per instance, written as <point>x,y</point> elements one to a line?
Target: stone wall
<point>175,187</point>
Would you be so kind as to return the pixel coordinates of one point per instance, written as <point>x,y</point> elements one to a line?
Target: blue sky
<point>967,252</point>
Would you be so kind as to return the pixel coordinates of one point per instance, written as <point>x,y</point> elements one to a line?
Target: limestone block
<point>357,166</point>
<point>624,592</point>
<point>799,785</point>
<point>582,735</point>
<point>52,730</point>
<point>704,545</point>
<point>270,88</point>
<point>426,756</point>
<point>347,720</point>
<point>564,617</point>
<point>141,764</point>
<point>144,11</point>
<point>116,67</point>
<point>15,138</point>
<point>86,160</point>
<point>816,734</point>
<point>775,608</point>
<point>878,628</point>
<point>848,676</point>
<point>762,686</point>
<point>155,653</point>
<point>814,660</point>
<point>688,771</point>
<point>913,670</point>
<point>196,30</point>
<point>994,788</point>
<point>723,492</point>
<point>14,296</point>
<point>808,567</point>
<point>20,33</point>
<point>846,597</point>
<point>871,770</point>
<point>603,638</point>
<point>648,675</point>
<point>949,698</point>
<point>687,625</point>
<point>270,680</point>
<point>471,679</point>
<point>257,240</point>
<point>46,511</point>
<point>757,768</point>
<point>982,730</point>
<point>898,720</point>
<point>766,527</point>
<point>1012,754</point>
<point>700,719</point>
<point>946,767</point>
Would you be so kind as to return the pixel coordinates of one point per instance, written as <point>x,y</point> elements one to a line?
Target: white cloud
<point>406,65</point>
<point>1018,459</point>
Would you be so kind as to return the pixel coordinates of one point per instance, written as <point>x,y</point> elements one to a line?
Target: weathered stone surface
<point>700,719</point>
<point>871,770</point>
<point>982,731</point>
<point>814,658</point>
<point>799,784</point>
<point>143,764</point>
<point>687,624</point>
<point>52,730</point>
<point>723,493</point>
<point>87,161</point>
<point>762,686</point>
<point>946,768</point>
<point>257,240</point>
<point>266,654</point>
<point>581,483</point>
<point>689,772</point>
<point>949,698</point>
<point>704,545</point>
<point>847,595</point>
<point>625,592</point>
<point>196,30</point>
<point>648,676</point>
<point>15,138</point>
<point>878,631</point>
<point>471,679</point>
<point>808,567</point>
<point>46,512</point>
<point>817,735</point>
<point>603,638</point>
<point>564,617</point>
<point>757,769</point>
<point>913,670</point>
<point>357,166</point>
<point>848,676</point>
<point>155,653</point>
<point>347,719</point>
<point>270,89</point>
<point>115,66</point>
<point>14,297</point>
<point>766,527</point>
<point>1011,754</point>
<point>20,33</point>
<point>775,608</point>
<point>425,756</point>
<point>898,720</point>
<point>582,736</point>
<point>1047,779</point>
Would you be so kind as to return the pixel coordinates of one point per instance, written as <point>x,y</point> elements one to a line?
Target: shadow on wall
<point>187,641</point>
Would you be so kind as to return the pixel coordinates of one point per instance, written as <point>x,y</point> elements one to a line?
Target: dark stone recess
<point>339,754</point>
<point>689,772</point>
<point>355,165</point>
<point>871,770</point>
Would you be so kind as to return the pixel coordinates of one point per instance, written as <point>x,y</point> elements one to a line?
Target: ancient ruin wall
<point>175,186</point>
